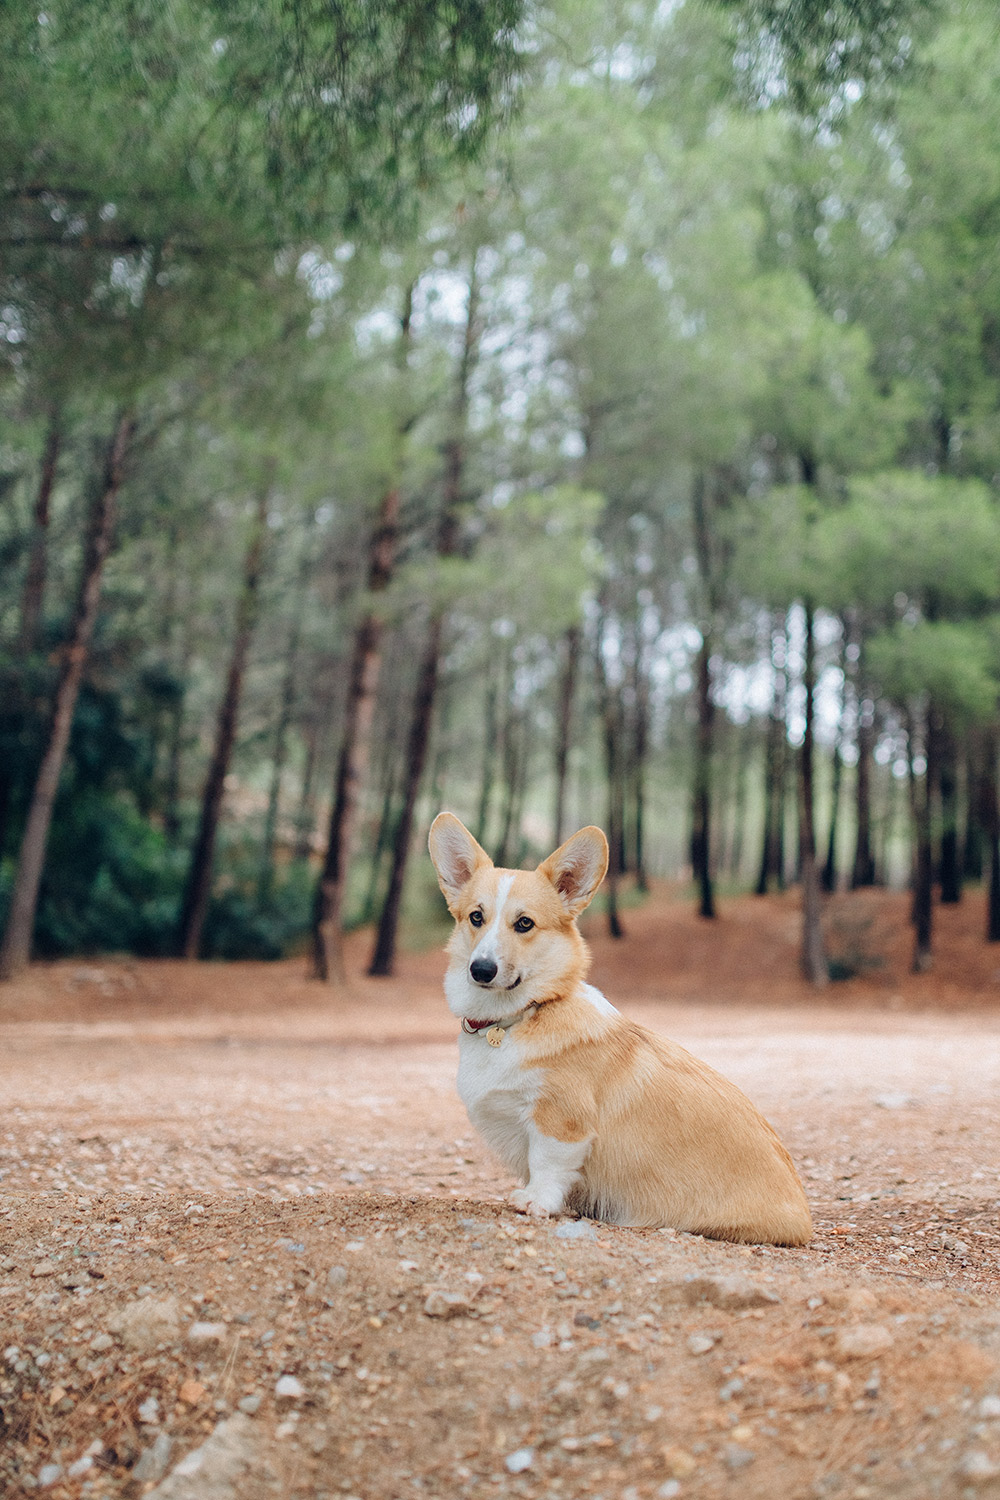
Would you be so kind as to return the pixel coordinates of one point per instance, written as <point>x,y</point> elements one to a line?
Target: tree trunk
<point>384,837</point>
<point>701,795</point>
<point>383,957</point>
<point>510,759</point>
<point>564,727</point>
<point>829,879</point>
<point>637,761</point>
<point>701,819</point>
<point>197,890</point>
<point>923,874</point>
<point>305,812</point>
<point>359,711</point>
<point>517,757</point>
<point>950,873</point>
<point>743,750</point>
<point>772,859</point>
<point>355,750</point>
<point>384,954</point>
<point>989,814</point>
<point>279,755</point>
<point>487,777</point>
<point>610,704</point>
<point>863,870</point>
<point>16,948</point>
<point>974,836</point>
<point>814,965</point>
<point>33,596</point>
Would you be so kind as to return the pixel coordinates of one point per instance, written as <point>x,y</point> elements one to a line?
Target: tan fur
<point>671,1142</point>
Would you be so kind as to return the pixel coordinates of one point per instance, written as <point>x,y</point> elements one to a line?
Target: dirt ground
<point>250,1245</point>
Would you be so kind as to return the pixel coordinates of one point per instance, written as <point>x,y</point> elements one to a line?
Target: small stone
<point>520,1460</point>
<point>149,1411</point>
<point>731,1388</point>
<point>206,1333</point>
<point>335,1277</point>
<point>668,1490</point>
<point>48,1474</point>
<point>731,1293</point>
<point>857,1299</point>
<point>147,1322</point>
<point>989,1406</point>
<point>542,1339</point>
<point>82,1466</point>
<point>893,1100</point>
<point>700,1343</point>
<point>679,1463</point>
<point>212,1471</point>
<point>152,1461</point>
<point>44,1268</point>
<point>863,1341</point>
<point>576,1229</point>
<point>977,1467</point>
<point>736,1457</point>
<point>7,1264</point>
<point>441,1304</point>
<point>289,1388</point>
<point>102,1343</point>
<point>251,1404</point>
<point>191,1392</point>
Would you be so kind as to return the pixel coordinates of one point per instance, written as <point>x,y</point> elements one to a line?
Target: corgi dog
<point>593,1113</point>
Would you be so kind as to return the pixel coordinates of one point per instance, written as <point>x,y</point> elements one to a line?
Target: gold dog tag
<point>495,1036</point>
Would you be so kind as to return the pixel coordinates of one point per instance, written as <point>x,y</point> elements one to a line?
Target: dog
<point>593,1113</point>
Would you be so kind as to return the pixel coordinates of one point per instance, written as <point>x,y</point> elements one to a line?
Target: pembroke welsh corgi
<point>593,1113</point>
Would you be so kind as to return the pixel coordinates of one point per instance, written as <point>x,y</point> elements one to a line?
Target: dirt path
<point>252,1247</point>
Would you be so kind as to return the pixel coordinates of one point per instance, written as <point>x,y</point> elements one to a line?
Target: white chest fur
<point>499,1094</point>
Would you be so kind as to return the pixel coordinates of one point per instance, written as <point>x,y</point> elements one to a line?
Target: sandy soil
<point>249,1243</point>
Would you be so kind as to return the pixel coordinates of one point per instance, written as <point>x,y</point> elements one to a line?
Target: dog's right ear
<point>455,854</point>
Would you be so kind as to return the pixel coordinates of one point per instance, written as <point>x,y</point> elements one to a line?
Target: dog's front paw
<point>527,1202</point>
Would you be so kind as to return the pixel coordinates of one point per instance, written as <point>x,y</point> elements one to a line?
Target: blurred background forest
<point>563,413</point>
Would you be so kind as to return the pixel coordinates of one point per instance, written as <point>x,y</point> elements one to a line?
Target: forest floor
<point>249,1243</point>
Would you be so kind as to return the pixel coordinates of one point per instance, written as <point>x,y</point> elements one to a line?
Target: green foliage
<point>534,560</point>
<point>238,925</point>
<point>211,209</point>
<point>263,120</point>
<point>111,883</point>
<point>814,50</point>
<point>932,541</point>
<point>954,664</point>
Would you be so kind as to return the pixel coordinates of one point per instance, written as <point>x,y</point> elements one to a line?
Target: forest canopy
<point>566,413</point>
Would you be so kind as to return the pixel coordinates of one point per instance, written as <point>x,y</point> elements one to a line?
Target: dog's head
<point>516,941</point>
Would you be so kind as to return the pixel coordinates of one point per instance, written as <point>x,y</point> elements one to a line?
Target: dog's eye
<point>476,918</point>
<point>523,924</point>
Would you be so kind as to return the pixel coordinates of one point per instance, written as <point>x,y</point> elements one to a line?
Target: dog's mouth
<point>489,985</point>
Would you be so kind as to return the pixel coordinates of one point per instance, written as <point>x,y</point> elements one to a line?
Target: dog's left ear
<point>455,854</point>
<point>577,868</point>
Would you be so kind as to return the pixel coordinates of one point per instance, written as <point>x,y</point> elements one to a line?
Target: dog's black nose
<point>483,970</point>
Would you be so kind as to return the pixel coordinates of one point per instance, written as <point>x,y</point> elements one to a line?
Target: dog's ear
<point>577,868</point>
<point>455,854</point>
